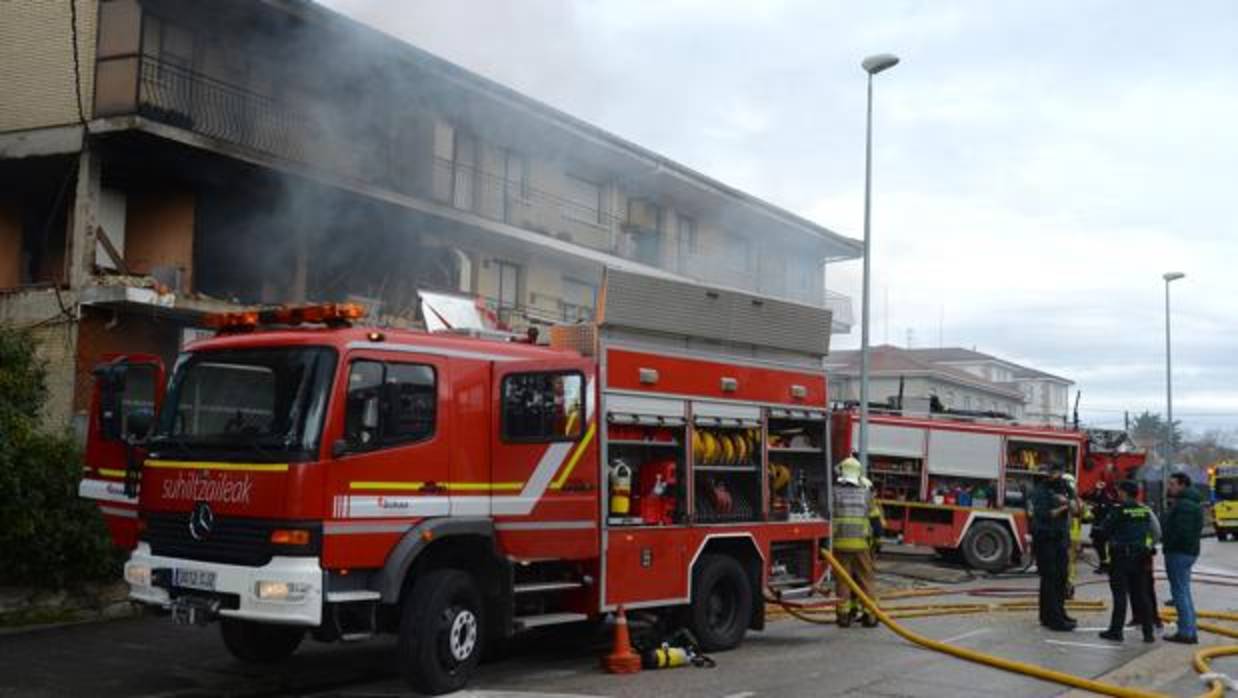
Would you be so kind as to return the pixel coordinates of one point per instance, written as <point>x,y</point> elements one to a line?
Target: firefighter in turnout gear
<point>853,540</point>
<point>1129,530</point>
<point>1076,533</point>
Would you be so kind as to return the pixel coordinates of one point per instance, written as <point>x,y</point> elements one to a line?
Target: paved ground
<point>151,657</point>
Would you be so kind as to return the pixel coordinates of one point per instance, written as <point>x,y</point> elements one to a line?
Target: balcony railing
<point>181,97</point>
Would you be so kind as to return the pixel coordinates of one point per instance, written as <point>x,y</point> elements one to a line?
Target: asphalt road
<point>152,657</point>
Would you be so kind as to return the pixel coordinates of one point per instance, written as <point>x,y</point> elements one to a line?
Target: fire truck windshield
<point>264,404</point>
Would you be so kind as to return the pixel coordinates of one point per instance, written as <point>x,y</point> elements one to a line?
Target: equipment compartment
<point>646,463</point>
<point>799,471</point>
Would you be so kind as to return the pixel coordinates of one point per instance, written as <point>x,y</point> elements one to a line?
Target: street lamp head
<point>1173,276</point>
<point>882,61</point>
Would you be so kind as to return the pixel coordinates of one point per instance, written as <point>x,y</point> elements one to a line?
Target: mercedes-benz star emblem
<point>201,520</point>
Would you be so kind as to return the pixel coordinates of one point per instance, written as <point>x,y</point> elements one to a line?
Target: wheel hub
<point>462,638</point>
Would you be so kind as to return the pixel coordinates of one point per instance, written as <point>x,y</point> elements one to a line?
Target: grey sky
<point>1038,165</point>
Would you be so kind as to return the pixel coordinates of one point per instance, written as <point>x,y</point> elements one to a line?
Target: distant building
<point>961,379</point>
<point>191,157</point>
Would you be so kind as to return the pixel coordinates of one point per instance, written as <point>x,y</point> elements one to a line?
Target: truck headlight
<point>281,591</point>
<point>137,575</point>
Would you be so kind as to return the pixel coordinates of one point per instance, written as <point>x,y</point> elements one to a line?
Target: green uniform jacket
<point>1183,524</point>
<point>1129,526</point>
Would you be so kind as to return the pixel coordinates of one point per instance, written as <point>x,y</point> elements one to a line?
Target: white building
<point>961,379</point>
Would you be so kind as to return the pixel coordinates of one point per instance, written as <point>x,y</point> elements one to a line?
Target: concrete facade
<point>36,62</point>
<point>248,154</point>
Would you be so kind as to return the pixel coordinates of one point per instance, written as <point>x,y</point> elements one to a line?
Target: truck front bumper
<point>287,590</point>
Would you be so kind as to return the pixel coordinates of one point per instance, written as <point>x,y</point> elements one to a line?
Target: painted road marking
<point>956,638</point>
<point>1084,644</point>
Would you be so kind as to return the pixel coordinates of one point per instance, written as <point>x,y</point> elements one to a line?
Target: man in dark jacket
<point>1050,542</point>
<point>1181,527</point>
<point>1129,530</point>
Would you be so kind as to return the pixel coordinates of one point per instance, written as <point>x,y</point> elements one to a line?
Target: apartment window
<point>579,300</point>
<point>582,200</point>
<point>737,254</point>
<point>464,172</point>
<point>444,160</point>
<point>541,407</point>
<point>509,285</point>
<point>515,182</point>
<point>685,231</point>
<point>169,43</point>
<point>967,402</point>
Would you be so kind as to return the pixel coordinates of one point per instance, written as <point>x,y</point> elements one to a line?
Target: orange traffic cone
<point>621,660</point>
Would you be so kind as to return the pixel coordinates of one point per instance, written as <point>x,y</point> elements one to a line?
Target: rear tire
<point>441,632</point>
<point>987,546</point>
<point>260,643</point>
<point>721,603</point>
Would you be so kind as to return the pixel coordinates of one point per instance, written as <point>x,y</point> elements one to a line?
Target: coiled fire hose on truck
<point>996,662</point>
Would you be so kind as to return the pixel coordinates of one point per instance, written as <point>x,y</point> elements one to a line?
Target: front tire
<point>441,632</point>
<point>721,603</point>
<point>260,643</point>
<point>988,546</point>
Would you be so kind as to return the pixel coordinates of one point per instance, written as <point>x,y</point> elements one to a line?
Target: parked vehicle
<point>961,484</point>
<point>305,476</point>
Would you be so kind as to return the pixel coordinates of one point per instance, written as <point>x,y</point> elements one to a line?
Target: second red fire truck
<point>302,476</point>
<point>961,483</point>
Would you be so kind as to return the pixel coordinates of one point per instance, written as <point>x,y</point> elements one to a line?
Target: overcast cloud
<point>1038,166</point>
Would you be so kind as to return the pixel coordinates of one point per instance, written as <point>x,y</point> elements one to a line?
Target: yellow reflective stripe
<point>482,486</point>
<point>485,486</point>
<point>111,472</point>
<point>580,451</point>
<point>461,486</point>
<point>236,467</point>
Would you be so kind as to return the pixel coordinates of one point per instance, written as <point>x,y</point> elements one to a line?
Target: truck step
<point>355,637</point>
<point>789,593</point>
<point>352,596</point>
<point>526,622</point>
<point>539,587</point>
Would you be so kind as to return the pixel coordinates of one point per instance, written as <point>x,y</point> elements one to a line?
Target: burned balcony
<point>171,94</point>
<point>180,97</point>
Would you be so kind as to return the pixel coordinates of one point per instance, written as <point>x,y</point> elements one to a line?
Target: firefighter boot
<point>868,620</point>
<point>845,614</point>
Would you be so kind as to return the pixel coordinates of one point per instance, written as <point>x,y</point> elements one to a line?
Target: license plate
<point>194,579</point>
<point>194,611</point>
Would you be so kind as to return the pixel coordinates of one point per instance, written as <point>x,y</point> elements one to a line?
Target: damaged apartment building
<point>164,159</point>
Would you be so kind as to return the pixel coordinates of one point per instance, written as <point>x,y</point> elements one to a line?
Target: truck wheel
<point>987,546</point>
<point>260,643</point>
<point>721,603</point>
<point>441,632</point>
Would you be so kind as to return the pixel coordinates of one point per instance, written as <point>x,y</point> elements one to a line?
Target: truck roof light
<point>330,314</point>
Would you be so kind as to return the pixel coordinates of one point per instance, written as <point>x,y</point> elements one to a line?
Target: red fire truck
<point>961,483</point>
<point>304,476</point>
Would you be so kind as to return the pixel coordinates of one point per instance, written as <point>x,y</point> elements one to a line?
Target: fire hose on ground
<point>1217,685</point>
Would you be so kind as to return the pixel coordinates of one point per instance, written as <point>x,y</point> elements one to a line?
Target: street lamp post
<point>1169,397</point>
<point>871,65</point>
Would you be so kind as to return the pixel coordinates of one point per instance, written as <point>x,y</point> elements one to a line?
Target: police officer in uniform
<point>1051,542</point>
<point>1129,529</point>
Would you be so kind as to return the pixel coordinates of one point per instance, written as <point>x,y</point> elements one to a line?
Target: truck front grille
<point>231,541</point>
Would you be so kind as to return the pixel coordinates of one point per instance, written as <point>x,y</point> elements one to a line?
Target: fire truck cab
<point>340,481</point>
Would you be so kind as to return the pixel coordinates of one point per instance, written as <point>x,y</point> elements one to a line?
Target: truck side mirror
<point>111,382</point>
<point>138,425</point>
<point>369,413</point>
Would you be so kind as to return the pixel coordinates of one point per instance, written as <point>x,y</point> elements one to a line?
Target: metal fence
<point>181,97</point>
